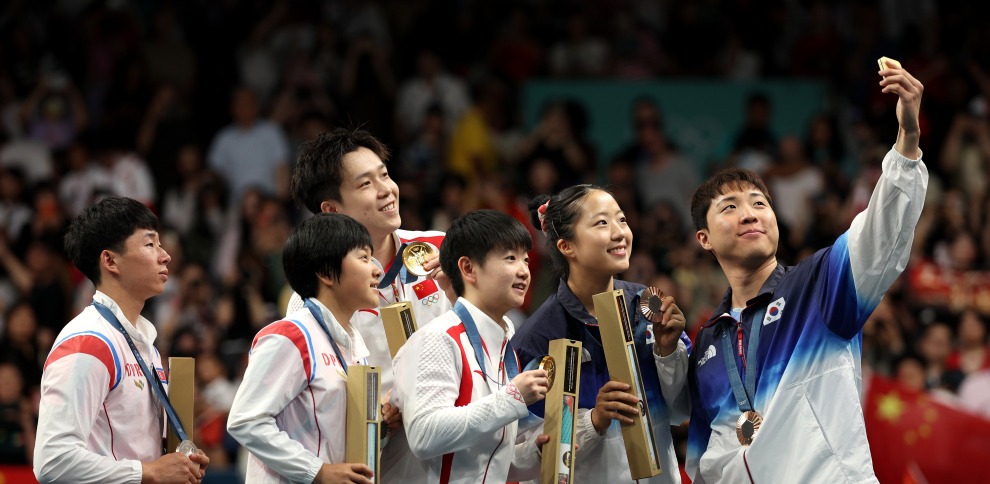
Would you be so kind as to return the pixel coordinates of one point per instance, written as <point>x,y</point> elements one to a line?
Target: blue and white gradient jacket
<point>602,457</point>
<point>809,380</point>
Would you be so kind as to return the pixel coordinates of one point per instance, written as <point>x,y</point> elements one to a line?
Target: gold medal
<point>649,304</point>
<point>414,256</point>
<point>547,363</point>
<point>747,425</point>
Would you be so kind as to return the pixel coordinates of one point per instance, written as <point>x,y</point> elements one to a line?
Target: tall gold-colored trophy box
<point>363,431</point>
<point>400,324</point>
<point>560,413</point>
<point>182,395</point>
<point>623,365</point>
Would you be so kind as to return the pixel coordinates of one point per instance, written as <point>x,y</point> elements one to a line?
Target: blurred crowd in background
<point>197,110</point>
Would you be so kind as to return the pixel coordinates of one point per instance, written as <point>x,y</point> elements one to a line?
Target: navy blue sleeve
<point>531,342</point>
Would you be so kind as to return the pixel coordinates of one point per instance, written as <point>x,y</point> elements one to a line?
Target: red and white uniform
<point>290,409</point>
<point>428,301</point>
<point>99,418</point>
<point>460,424</point>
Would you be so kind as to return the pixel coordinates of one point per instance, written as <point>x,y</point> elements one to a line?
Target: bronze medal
<point>414,257</point>
<point>747,425</point>
<point>649,304</point>
<point>547,363</point>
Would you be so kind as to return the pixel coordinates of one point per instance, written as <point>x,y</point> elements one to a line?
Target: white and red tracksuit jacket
<point>428,302</point>
<point>460,425</point>
<point>290,410</point>
<point>98,419</point>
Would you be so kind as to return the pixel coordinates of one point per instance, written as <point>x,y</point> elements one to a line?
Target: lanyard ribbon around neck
<point>471,329</point>
<point>318,315</point>
<point>394,270</point>
<point>744,395</point>
<point>153,380</point>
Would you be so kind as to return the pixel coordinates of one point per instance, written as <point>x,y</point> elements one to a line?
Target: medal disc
<point>649,304</point>
<point>186,447</point>
<point>747,425</point>
<point>547,363</point>
<point>414,257</point>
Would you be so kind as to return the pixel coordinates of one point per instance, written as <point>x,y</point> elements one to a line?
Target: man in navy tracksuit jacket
<point>785,347</point>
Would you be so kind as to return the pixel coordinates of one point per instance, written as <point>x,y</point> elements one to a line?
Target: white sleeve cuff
<point>512,395</point>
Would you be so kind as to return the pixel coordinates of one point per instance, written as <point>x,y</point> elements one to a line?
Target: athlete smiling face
<point>602,240</point>
<point>367,193</point>
<point>742,227</point>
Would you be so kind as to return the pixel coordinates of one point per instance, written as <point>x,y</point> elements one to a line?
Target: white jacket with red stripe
<point>290,409</point>
<point>99,418</point>
<point>428,301</point>
<point>461,425</point>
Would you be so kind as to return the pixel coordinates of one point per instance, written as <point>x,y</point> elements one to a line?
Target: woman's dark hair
<point>477,234</point>
<point>558,221</point>
<point>317,246</point>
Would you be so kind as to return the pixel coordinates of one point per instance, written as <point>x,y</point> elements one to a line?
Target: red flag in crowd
<point>19,474</point>
<point>914,439</point>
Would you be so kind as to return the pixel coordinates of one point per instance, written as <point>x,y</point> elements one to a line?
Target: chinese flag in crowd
<point>16,474</point>
<point>914,439</point>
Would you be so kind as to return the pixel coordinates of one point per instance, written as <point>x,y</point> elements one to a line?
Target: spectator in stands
<point>129,175</point>
<point>909,371</point>
<point>974,393</point>
<point>40,278</point>
<point>82,179</point>
<point>166,128</point>
<point>19,344</point>
<point>559,139</point>
<point>473,153</point>
<point>755,143</point>
<point>973,352</point>
<point>580,53</point>
<point>15,214</point>
<point>431,86</point>
<point>794,183</point>
<point>884,338</point>
<point>214,396</point>
<point>934,347</point>
<point>252,151</point>
<point>16,420</point>
<point>54,113</point>
<point>423,158</point>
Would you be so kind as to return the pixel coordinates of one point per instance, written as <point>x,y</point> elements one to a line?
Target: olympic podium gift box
<point>400,324</point>
<point>559,420</point>
<point>182,394</point>
<point>363,430</point>
<point>623,365</point>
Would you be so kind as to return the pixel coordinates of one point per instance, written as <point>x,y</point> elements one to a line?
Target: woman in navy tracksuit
<point>590,241</point>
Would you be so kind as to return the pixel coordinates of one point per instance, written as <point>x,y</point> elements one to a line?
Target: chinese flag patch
<point>425,288</point>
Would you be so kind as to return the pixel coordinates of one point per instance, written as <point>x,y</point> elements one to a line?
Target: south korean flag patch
<point>774,311</point>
